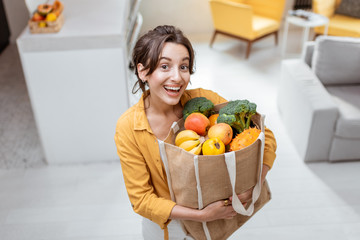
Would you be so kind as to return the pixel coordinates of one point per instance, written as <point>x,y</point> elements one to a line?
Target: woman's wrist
<point>184,213</point>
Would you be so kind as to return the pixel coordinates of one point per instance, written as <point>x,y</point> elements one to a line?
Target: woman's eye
<point>184,67</point>
<point>165,67</point>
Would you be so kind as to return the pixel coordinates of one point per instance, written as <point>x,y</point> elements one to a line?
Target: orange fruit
<point>213,119</point>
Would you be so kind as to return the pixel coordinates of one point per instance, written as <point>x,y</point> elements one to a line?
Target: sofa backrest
<point>336,60</point>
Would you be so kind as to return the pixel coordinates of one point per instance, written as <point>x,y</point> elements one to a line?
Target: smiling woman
<point>163,60</point>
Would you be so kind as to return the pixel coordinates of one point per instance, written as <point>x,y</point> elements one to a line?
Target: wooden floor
<point>318,201</point>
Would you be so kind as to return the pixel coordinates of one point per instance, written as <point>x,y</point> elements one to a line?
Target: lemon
<point>51,17</point>
<point>42,24</point>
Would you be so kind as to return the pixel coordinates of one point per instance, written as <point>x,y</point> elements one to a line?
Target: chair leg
<point>276,37</point>
<point>213,38</point>
<point>248,49</point>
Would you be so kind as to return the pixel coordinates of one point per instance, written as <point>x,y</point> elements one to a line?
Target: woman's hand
<point>217,210</point>
<point>214,211</point>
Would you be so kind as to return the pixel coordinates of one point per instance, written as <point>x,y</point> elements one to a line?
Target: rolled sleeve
<point>270,148</point>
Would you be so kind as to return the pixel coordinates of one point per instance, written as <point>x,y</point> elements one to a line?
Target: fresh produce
<point>244,139</point>
<point>42,24</point>
<point>213,146</point>
<point>189,141</point>
<point>37,17</point>
<point>58,7</point>
<point>213,119</point>
<point>50,17</point>
<point>229,130</point>
<point>237,114</point>
<point>223,131</point>
<point>44,9</point>
<point>197,122</point>
<point>186,135</point>
<point>199,105</point>
<point>47,12</point>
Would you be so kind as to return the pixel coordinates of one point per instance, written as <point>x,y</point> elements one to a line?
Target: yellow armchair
<point>247,20</point>
<point>339,25</point>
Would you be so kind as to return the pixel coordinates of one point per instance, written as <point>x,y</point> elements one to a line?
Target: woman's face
<point>171,77</point>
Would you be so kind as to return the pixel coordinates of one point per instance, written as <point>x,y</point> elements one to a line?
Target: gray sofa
<point>319,99</point>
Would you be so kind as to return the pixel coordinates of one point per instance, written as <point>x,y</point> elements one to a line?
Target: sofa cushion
<point>336,60</point>
<point>349,8</point>
<point>347,98</point>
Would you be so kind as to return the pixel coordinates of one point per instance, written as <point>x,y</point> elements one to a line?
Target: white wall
<point>191,16</point>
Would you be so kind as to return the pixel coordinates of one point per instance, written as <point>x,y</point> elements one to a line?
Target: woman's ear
<point>141,72</point>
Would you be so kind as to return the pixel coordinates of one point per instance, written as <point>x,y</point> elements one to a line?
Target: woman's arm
<point>212,212</point>
<point>142,195</point>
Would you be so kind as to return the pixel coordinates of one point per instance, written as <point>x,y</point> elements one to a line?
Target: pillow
<point>336,60</point>
<point>349,8</point>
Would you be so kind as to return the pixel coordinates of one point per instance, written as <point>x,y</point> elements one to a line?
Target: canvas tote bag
<point>195,181</point>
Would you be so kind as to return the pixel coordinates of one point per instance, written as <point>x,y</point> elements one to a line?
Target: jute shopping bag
<point>197,180</point>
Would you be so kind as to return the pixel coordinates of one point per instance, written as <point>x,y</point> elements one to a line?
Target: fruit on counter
<point>50,17</point>
<point>44,9</point>
<point>198,104</point>
<point>37,17</point>
<point>58,7</point>
<point>213,119</point>
<point>197,122</point>
<point>42,24</point>
<point>190,141</point>
<point>244,139</point>
<point>213,146</point>
<point>223,131</point>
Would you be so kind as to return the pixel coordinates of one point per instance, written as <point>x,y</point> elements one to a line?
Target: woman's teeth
<point>172,88</point>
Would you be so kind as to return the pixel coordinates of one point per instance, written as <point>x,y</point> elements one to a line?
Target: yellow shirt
<point>142,168</point>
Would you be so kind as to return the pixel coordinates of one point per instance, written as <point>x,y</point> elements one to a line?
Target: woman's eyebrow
<point>169,59</point>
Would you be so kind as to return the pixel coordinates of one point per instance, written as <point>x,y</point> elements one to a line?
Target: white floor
<point>319,201</point>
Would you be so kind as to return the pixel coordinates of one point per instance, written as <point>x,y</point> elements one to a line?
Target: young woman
<point>164,60</point>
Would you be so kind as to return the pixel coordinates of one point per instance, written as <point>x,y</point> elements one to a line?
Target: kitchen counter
<point>77,80</point>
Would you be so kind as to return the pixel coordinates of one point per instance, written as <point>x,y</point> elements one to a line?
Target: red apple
<point>197,122</point>
<point>37,17</point>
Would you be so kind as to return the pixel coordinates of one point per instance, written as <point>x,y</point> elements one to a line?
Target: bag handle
<point>230,161</point>
<point>164,159</point>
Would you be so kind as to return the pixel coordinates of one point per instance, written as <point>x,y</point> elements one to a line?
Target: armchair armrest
<point>231,17</point>
<point>307,52</point>
<point>307,110</point>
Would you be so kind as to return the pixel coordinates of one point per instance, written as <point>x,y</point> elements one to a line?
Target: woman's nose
<point>176,75</point>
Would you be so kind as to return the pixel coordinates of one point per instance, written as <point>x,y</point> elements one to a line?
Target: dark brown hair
<point>148,49</point>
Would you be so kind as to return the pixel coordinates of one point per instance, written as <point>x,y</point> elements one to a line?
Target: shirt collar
<point>140,120</point>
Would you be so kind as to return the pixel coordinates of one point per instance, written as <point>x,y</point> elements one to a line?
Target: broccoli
<point>198,104</point>
<point>237,114</point>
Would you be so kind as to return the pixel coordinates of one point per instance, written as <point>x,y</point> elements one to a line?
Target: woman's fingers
<point>244,197</point>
